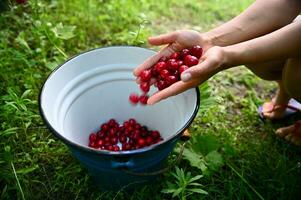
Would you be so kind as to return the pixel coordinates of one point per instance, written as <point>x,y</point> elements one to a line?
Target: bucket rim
<point>106,152</point>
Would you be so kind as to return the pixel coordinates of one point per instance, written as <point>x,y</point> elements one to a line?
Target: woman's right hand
<point>175,41</point>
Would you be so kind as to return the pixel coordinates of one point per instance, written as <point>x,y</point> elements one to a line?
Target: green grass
<point>238,155</point>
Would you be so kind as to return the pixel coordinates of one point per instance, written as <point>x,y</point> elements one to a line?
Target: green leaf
<point>21,40</point>
<point>177,192</point>
<point>9,131</point>
<point>26,170</point>
<point>195,159</point>
<point>166,191</point>
<point>205,143</point>
<point>198,190</point>
<point>214,160</point>
<point>63,32</point>
<point>195,178</point>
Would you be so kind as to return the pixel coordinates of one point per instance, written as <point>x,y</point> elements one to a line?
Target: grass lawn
<point>237,154</point>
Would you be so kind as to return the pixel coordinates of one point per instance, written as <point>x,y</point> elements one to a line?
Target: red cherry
<point>143,99</point>
<point>154,72</point>
<point>180,62</point>
<point>141,142</point>
<point>145,86</point>
<point>164,73</point>
<point>114,140</point>
<point>112,123</point>
<point>100,134</point>
<point>92,137</point>
<point>196,51</point>
<point>145,75</point>
<point>149,140</point>
<point>183,68</point>
<point>132,122</point>
<point>100,143</point>
<point>160,66</point>
<point>104,127</point>
<point>110,148</point>
<point>134,98</point>
<point>21,1</point>
<point>162,59</point>
<point>171,80</point>
<point>126,147</point>
<point>175,55</point>
<point>184,53</point>
<point>161,85</point>
<point>172,64</point>
<point>122,139</point>
<point>190,60</point>
<point>116,148</point>
<point>155,134</point>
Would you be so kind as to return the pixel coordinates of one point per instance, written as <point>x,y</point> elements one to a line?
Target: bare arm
<point>262,17</point>
<point>281,44</point>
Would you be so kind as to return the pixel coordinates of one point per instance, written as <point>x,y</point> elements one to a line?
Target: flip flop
<point>292,108</point>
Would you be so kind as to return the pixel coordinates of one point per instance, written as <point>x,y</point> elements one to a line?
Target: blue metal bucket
<point>93,87</point>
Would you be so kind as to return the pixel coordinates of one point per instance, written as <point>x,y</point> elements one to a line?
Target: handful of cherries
<point>166,72</point>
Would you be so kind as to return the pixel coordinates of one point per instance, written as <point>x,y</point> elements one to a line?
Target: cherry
<point>163,59</point>
<point>172,64</point>
<point>134,98</point>
<point>171,80</point>
<point>141,142</point>
<point>155,134</point>
<point>149,140</point>
<point>183,68</point>
<point>132,122</point>
<point>161,85</point>
<point>160,66</point>
<point>100,143</point>
<point>196,51</point>
<point>92,137</point>
<point>114,140</point>
<point>145,75</point>
<point>104,127</point>
<point>145,86</point>
<point>190,60</point>
<point>112,122</point>
<point>180,62</point>
<point>184,53</point>
<point>143,99</point>
<point>116,148</point>
<point>175,56</point>
<point>164,73</point>
<point>122,139</point>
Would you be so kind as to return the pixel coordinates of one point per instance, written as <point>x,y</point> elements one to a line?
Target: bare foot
<point>291,133</point>
<point>275,109</point>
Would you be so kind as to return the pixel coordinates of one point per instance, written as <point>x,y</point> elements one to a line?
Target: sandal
<point>292,108</point>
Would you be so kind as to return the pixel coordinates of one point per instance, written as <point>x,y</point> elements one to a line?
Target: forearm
<point>281,44</point>
<point>262,17</point>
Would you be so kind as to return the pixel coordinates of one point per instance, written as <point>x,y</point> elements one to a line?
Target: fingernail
<point>185,76</point>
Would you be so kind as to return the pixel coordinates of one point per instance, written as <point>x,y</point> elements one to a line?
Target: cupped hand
<point>175,41</point>
<point>213,61</point>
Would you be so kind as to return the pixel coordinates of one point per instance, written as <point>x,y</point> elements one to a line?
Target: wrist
<point>230,57</point>
<point>206,41</point>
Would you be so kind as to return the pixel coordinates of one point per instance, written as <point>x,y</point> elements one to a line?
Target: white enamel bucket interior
<point>94,87</point>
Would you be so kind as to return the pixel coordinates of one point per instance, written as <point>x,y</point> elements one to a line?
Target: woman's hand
<point>214,60</point>
<point>175,41</point>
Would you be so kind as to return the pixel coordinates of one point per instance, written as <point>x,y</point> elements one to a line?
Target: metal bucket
<point>93,87</point>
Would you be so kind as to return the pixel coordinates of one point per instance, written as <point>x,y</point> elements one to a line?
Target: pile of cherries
<point>166,72</point>
<point>128,136</point>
